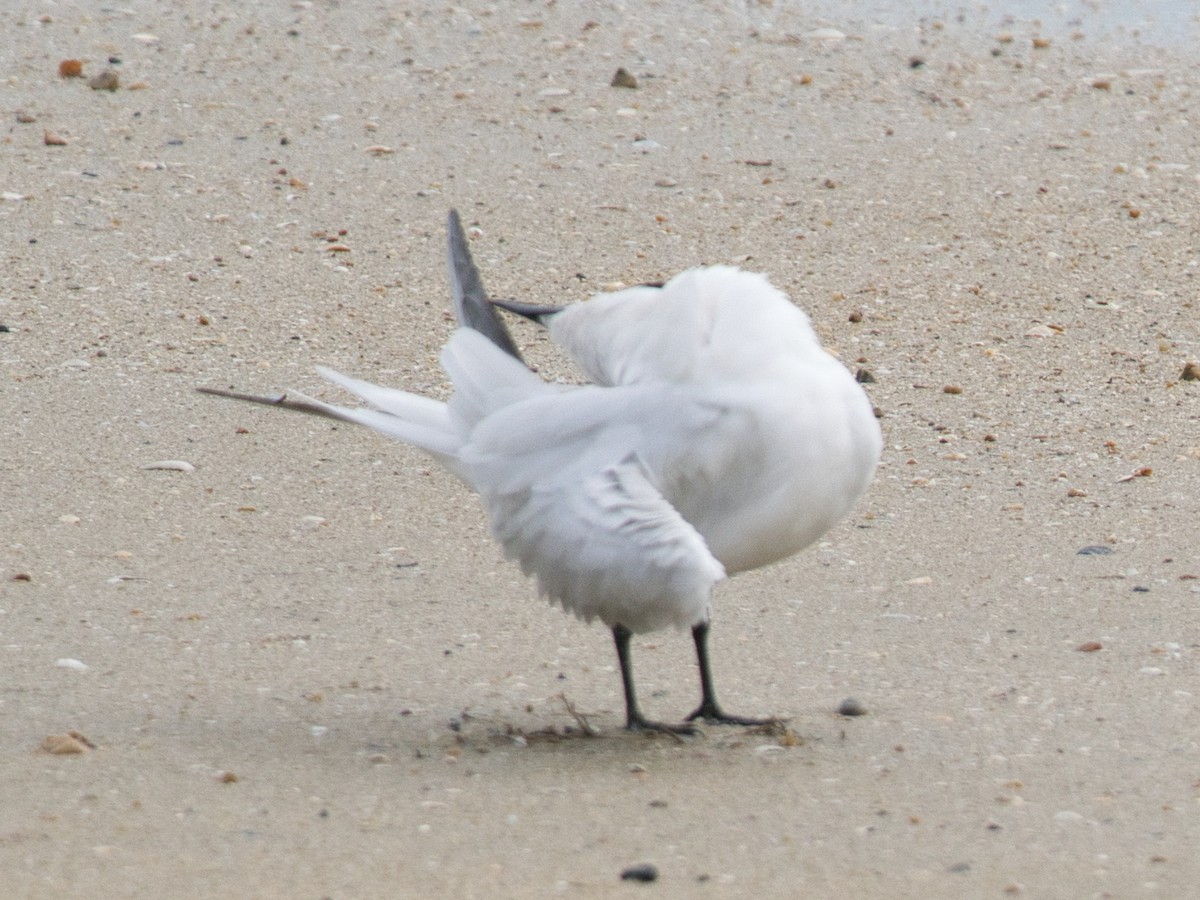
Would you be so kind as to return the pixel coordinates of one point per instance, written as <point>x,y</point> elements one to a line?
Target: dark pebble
<point>1094,550</point>
<point>645,872</point>
<point>851,707</point>
<point>624,78</point>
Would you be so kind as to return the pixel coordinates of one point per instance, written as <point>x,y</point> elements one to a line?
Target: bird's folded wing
<point>609,546</point>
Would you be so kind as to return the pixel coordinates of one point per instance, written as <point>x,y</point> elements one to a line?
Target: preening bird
<point>716,436</point>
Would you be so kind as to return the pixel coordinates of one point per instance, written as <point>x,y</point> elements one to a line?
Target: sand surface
<point>305,668</point>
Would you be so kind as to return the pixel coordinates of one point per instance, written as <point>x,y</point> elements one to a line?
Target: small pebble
<point>645,873</point>
<point>50,139</point>
<point>70,68</point>
<point>1094,550</point>
<point>623,78</point>
<point>851,707</point>
<point>65,744</point>
<point>1191,372</point>
<point>1090,647</point>
<point>68,663</point>
<point>108,80</point>
<point>1041,331</point>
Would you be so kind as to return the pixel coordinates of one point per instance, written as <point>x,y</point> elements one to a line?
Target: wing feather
<point>610,547</point>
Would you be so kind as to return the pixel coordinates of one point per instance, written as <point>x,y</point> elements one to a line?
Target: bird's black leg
<point>634,720</point>
<point>708,710</point>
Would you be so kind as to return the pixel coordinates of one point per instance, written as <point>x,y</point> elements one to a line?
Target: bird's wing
<point>484,378</point>
<point>610,547</point>
<point>573,500</point>
<point>472,308</point>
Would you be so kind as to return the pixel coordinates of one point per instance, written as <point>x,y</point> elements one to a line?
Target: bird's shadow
<point>473,730</point>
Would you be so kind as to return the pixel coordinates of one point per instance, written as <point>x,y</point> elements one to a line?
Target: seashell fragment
<point>64,744</point>
<point>171,465</point>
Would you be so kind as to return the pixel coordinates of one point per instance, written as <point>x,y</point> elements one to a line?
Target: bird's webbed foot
<point>709,712</point>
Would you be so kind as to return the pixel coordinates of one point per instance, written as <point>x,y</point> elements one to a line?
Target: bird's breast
<point>803,456</point>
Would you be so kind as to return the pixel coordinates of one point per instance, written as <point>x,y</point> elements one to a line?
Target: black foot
<point>639,723</point>
<point>711,713</point>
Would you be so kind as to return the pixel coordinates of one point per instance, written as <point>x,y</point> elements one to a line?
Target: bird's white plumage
<point>718,436</point>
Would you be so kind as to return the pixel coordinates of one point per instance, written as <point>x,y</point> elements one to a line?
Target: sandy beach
<point>246,653</point>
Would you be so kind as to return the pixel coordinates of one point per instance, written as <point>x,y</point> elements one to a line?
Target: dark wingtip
<point>471,306</point>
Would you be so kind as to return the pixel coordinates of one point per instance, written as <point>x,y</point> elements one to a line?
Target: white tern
<point>716,436</point>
